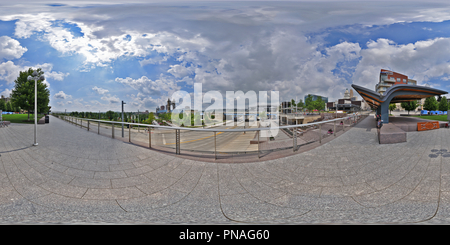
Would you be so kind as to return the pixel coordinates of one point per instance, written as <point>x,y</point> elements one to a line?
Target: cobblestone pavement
<point>78,177</point>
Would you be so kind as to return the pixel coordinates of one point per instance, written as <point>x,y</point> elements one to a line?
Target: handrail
<point>215,130</point>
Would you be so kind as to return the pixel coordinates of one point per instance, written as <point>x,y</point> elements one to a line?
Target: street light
<point>123,103</point>
<point>35,76</point>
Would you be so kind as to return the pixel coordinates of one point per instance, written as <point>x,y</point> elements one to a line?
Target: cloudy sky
<point>96,54</point>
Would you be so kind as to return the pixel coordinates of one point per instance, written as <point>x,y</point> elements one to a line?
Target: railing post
<point>320,133</point>
<point>149,137</point>
<point>215,149</point>
<point>99,127</point>
<point>258,142</point>
<point>334,131</point>
<point>88,126</point>
<point>112,130</point>
<point>129,133</point>
<point>294,140</point>
<point>177,141</point>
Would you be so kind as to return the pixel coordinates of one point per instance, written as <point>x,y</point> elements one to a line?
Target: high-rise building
<point>390,78</point>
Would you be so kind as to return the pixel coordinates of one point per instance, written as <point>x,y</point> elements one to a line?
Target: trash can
<point>46,119</point>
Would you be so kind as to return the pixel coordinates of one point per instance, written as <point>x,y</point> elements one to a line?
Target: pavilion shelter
<point>395,94</point>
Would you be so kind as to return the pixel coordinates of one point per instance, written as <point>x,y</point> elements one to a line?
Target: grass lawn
<point>20,118</point>
<point>434,117</point>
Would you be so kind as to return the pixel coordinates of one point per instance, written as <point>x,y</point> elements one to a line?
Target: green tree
<point>9,107</point>
<point>443,105</point>
<point>300,104</point>
<point>23,92</point>
<point>2,105</point>
<point>151,118</point>
<point>309,103</point>
<point>109,115</point>
<point>319,104</point>
<point>410,105</point>
<point>392,107</point>
<point>430,104</point>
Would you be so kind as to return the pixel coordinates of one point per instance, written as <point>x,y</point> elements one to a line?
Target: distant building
<point>286,107</point>
<point>315,97</point>
<point>348,103</point>
<point>169,107</point>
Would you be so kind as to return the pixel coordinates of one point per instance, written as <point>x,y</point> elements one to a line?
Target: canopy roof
<point>397,94</point>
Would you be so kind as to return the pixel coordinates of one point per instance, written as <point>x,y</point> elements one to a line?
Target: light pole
<point>123,103</point>
<point>35,76</point>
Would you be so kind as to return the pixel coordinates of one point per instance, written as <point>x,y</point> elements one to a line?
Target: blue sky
<point>96,54</point>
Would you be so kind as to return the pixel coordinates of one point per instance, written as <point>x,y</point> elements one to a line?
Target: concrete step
<point>391,134</point>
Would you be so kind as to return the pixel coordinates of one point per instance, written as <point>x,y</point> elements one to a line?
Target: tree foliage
<point>410,105</point>
<point>443,104</point>
<point>317,104</point>
<point>9,107</point>
<point>309,103</point>
<point>392,107</point>
<point>430,104</point>
<point>109,115</point>
<point>2,105</point>
<point>151,118</point>
<point>23,93</point>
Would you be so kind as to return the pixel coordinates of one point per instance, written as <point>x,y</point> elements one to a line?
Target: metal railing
<point>232,140</point>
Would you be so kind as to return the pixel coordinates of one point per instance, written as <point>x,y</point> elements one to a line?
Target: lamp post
<point>123,103</point>
<point>35,76</point>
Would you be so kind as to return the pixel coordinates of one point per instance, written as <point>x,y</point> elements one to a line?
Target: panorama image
<point>224,112</point>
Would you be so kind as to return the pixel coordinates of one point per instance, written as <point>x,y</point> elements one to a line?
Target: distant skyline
<point>96,54</point>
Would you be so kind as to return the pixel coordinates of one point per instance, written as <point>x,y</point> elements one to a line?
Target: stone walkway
<point>78,177</point>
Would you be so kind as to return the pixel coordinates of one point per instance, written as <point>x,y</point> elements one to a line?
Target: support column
<point>384,111</point>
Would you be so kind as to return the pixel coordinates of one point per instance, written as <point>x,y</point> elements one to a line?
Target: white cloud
<point>62,95</point>
<point>10,71</point>
<point>111,98</point>
<point>152,61</point>
<point>10,48</point>
<point>100,51</point>
<point>100,90</point>
<point>6,93</point>
<point>162,86</point>
<point>421,60</point>
<point>180,71</point>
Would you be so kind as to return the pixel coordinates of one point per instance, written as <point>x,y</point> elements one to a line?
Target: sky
<point>96,54</point>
